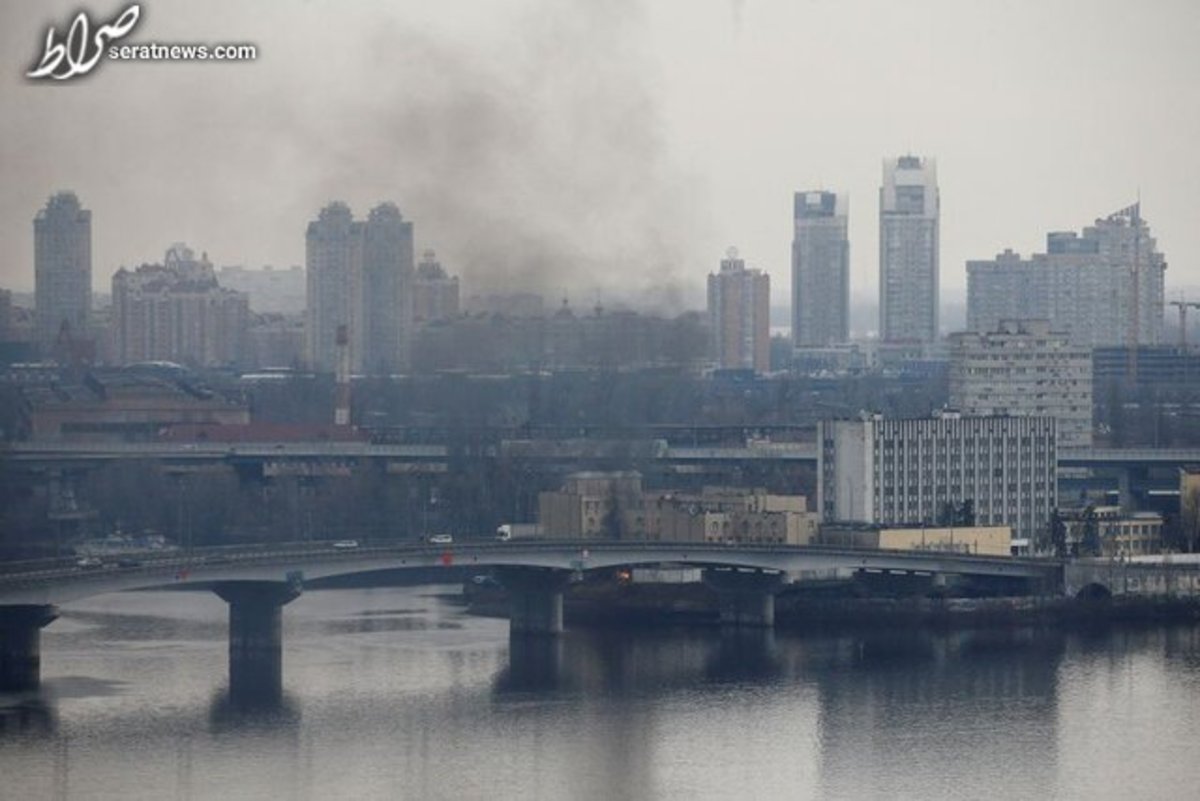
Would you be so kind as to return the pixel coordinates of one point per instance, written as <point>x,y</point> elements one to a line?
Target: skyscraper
<point>908,250</point>
<point>62,258</point>
<point>387,280</point>
<point>738,309</point>
<point>820,270</point>
<point>333,254</point>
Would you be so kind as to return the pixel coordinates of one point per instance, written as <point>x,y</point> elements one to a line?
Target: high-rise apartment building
<point>1083,284</point>
<point>820,270</point>
<point>435,294</point>
<point>387,278</point>
<point>333,256</point>
<point>1024,369</point>
<point>359,279</point>
<point>62,258</point>
<point>908,250</point>
<point>908,472</point>
<point>739,301</point>
<point>176,311</point>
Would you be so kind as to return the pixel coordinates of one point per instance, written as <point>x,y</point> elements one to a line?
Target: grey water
<point>398,693</point>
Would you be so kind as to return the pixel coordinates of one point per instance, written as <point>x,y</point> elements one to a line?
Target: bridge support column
<point>256,638</point>
<point>21,645</point>
<point>745,598</point>
<point>535,599</point>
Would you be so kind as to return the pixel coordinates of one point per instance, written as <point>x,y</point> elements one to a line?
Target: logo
<point>79,51</point>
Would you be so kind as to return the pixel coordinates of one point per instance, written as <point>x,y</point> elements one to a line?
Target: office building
<point>912,472</point>
<point>62,258</point>
<point>177,312</point>
<point>1083,284</point>
<point>820,270</point>
<point>1024,369</point>
<point>739,310</point>
<point>908,250</point>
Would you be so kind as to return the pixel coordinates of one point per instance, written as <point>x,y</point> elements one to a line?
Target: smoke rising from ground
<point>527,150</point>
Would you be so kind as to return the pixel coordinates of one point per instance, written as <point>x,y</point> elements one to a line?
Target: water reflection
<point>535,664</point>
<point>229,711</point>
<point>451,706</point>
<point>746,654</point>
<point>26,714</point>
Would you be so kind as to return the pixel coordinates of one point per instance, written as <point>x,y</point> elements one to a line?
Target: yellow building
<point>974,540</point>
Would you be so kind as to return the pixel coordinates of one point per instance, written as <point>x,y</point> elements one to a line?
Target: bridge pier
<point>256,638</point>
<point>21,645</point>
<point>745,598</point>
<point>535,599</point>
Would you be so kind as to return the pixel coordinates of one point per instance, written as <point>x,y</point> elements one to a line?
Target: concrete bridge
<point>1096,579</point>
<point>258,582</point>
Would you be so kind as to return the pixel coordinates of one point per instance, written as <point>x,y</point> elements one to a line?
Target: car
<point>344,544</point>
<point>441,539</point>
<point>88,561</point>
<point>129,561</point>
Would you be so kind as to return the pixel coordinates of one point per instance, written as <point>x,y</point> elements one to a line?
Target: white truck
<point>517,531</point>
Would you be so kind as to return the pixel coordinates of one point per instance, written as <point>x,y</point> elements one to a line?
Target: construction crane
<point>1183,306</point>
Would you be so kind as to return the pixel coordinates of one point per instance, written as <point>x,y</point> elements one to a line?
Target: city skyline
<point>536,160</point>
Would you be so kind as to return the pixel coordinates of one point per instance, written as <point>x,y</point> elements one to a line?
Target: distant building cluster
<point>1102,288</point>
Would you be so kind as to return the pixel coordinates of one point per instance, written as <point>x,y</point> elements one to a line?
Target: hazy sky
<point>566,146</point>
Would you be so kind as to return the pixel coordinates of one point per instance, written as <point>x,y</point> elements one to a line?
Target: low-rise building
<point>1107,531</point>
<point>973,540</point>
<point>596,505</point>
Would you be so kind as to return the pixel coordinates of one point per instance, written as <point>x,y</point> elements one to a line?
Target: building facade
<point>1083,284</point>
<point>177,312</point>
<point>333,260</point>
<point>820,270</point>
<point>1024,369</point>
<point>387,278</point>
<point>909,213</point>
<point>271,291</point>
<point>909,472</point>
<point>62,260</point>
<point>739,301</point>
<point>597,505</point>
<point>360,276</point>
<point>435,294</point>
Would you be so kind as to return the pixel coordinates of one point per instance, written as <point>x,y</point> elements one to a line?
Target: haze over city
<point>609,151</point>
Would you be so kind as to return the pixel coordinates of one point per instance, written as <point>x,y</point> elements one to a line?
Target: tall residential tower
<point>820,270</point>
<point>62,259</point>
<point>908,250</point>
<point>738,310</point>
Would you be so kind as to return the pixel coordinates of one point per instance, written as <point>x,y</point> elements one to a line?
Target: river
<point>397,693</point>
